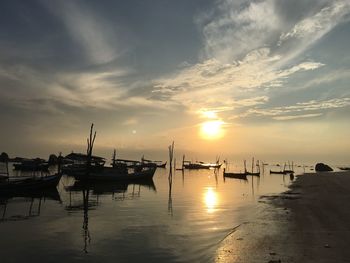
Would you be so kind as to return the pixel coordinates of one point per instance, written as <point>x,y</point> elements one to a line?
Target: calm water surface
<point>178,220</point>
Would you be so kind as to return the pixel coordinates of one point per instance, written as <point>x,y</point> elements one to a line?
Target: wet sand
<point>308,223</point>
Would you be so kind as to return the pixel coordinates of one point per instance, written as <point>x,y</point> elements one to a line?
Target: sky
<point>267,78</point>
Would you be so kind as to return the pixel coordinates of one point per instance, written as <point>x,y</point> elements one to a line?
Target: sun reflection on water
<point>210,199</point>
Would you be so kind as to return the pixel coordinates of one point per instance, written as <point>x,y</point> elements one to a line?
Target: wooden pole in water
<point>59,163</point>
<point>171,154</point>
<point>114,157</point>
<point>7,167</point>
<point>183,161</point>
<point>90,146</point>
<point>253,165</point>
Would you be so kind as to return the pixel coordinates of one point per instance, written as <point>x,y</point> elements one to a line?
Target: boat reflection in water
<point>33,203</point>
<point>90,193</point>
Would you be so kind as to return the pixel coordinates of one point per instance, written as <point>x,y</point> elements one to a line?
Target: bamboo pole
<point>90,146</point>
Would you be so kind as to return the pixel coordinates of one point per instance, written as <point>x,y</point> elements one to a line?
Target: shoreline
<point>320,216</point>
<point>310,222</point>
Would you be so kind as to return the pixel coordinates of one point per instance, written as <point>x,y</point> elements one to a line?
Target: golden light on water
<point>212,130</point>
<point>210,199</point>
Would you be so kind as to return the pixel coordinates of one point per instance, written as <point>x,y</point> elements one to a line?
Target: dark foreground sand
<point>309,223</point>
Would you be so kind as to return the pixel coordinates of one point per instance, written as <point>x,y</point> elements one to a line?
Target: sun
<point>212,129</point>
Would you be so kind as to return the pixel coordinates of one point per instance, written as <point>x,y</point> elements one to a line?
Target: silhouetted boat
<point>242,176</point>
<point>252,173</point>
<point>21,184</point>
<point>116,174</point>
<point>199,165</point>
<point>284,171</point>
<point>149,163</point>
<point>344,168</point>
<point>126,163</point>
<point>277,172</point>
<point>77,164</point>
<point>32,165</point>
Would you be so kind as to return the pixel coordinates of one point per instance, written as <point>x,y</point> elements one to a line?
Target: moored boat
<point>150,163</point>
<point>252,173</point>
<point>115,174</point>
<point>200,165</point>
<point>32,165</point>
<point>32,183</point>
<point>242,176</point>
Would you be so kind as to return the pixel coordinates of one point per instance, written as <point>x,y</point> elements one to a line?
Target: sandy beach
<point>308,223</point>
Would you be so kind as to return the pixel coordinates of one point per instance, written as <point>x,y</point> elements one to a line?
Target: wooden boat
<point>150,163</point>
<point>115,174</point>
<point>277,172</point>
<point>193,166</point>
<point>74,169</point>
<point>200,165</point>
<point>77,164</point>
<point>29,183</point>
<point>32,165</point>
<point>125,163</point>
<point>242,176</point>
<point>284,171</point>
<point>252,173</point>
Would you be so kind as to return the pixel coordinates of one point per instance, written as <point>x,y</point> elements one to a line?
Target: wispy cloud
<point>214,84</point>
<point>94,35</point>
<point>301,109</point>
<point>320,23</point>
<point>293,117</point>
<point>239,29</point>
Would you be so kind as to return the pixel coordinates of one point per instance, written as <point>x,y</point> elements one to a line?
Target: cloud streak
<point>286,112</point>
<point>320,23</point>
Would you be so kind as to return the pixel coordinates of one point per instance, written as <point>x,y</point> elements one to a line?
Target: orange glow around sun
<point>212,130</point>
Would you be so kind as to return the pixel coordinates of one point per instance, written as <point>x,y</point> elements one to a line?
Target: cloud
<point>320,23</point>
<point>96,37</point>
<point>293,117</point>
<point>239,29</point>
<point>213,84</point>
<point>286,112</point>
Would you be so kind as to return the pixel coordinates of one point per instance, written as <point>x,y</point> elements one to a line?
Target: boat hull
<point>29,184</point>
<point>115,175</point>
<point>236,176</point>
<point>253,174</point>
